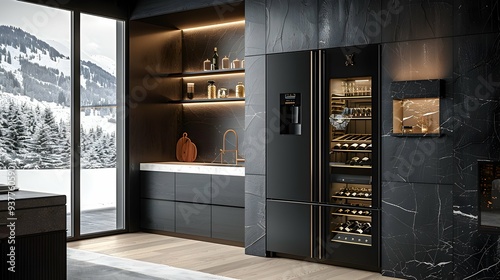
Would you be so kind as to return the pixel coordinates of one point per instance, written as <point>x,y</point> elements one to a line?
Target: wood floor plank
<point>218,259</point>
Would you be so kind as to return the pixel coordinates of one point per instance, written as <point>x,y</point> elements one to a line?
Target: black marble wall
<point>476,103</point>
<point>255,127</point>
<point>429,184</point>
<point>206,124</point>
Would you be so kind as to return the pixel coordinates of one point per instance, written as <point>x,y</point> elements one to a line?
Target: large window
<point>42,116</point>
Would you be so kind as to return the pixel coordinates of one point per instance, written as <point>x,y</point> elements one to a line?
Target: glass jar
<point>207,65</point>
<point>211,90</point>
<point>240,90</point>
<point>225,63</point>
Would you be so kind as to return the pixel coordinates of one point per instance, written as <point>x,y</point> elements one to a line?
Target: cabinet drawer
<point>36,220</point>
<point>228,223</point>
<point>158,185</point>
<point>228,190</point>
<point>158,214</point>
<point>193,188</point>
<point>193,218</point>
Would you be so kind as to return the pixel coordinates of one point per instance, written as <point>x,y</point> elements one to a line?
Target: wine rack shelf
<point>354,138</point>
<point>351,215</point>
<point>351,197</point>
<point>334,96</point>
<point>343,165</point>
<point>351,151</point>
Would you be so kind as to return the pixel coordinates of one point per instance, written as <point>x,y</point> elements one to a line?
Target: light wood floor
<point>223,260</point>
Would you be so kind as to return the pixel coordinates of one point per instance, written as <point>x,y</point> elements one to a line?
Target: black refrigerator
<point>323,185</point>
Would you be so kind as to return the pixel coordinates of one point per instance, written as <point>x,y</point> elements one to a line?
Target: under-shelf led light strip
<point>214,25</point>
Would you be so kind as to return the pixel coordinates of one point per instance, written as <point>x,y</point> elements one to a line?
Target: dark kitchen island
<point>32,235</point>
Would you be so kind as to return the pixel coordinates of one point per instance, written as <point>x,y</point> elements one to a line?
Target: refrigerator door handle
<point>311,165</point>
<point>319,149</point>
<point>311,125</point>
<point>311,245</point>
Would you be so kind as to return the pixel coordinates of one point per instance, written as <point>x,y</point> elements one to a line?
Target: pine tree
<point>47,142</point>
<point>110,151</point>
<point>30,157</point>
<point>19,135</point>
<point>65,144</point>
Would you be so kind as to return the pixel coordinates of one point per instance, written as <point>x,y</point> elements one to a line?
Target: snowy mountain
<point>34,68</point>
<point>104,62</point>
<point>35,94</point>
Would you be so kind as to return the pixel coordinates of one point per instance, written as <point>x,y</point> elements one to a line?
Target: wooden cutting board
<point>185,150</point>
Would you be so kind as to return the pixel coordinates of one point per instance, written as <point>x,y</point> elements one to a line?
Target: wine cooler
<point>323,198</point>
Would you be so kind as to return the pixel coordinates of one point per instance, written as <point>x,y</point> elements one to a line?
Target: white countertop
<point>194,167</point>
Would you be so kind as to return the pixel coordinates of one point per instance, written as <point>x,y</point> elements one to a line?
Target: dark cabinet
<point>193,187</point>
<point>193,218</point>
<point>158,214</point>
<point>195,204</point>
<point>228,190</point>
<point>158,185</point>
<point>228,223</point>
<point>288,229</point>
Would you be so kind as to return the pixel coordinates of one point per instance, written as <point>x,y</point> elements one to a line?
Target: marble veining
<point>291,25</point>
<point>255,107</point>
<point>255,215</point>
<point>255,27</point>
<point>348,23</point>
<point>411,20</point>
<point>194,167</point>
<point>473,17</point>
<point>417,232</point>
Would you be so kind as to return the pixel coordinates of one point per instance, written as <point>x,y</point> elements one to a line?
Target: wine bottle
<point>361,147</point>
<point>215,60</point>
<point>367,229</point>
<point>342,226</point>
<point>360,229</point>
<point>354,146</point>
<point>352,227</point>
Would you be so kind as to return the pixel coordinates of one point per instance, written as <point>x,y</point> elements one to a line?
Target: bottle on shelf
<point>215,60</point>
<point>236,64</point>
<point>211,90</point>
<point>190,90</point>
<point>361,146</point>
<point>207,65</point>
<point>225,62</point>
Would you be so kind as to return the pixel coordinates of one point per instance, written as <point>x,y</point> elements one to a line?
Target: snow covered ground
<point>98,186</point>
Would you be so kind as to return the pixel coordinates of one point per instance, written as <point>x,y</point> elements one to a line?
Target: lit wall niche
<point>416,107</point>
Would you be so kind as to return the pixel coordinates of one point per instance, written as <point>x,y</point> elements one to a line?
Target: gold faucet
<point>223,150</point>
